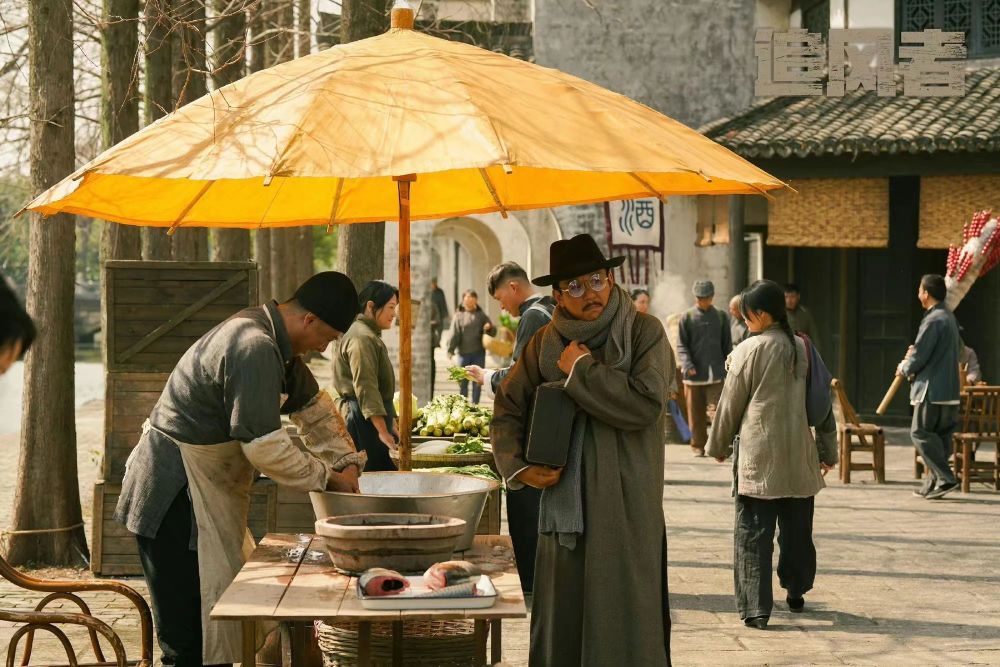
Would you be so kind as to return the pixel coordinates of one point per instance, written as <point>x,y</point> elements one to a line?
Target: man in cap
<point>799,317</point>
<point>600,590</point>
<point>186,490</point>
<point>704,342</point>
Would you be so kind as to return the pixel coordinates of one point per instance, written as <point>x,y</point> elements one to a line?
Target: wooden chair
<point>854,436</point>
<point>980,424</point>
<point>39,619</point>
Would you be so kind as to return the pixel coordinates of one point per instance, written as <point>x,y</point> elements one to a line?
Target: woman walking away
<point>363,377</point>
<point>777,465</point>
<point>467,329</point>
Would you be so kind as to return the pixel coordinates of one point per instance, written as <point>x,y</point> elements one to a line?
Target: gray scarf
<point>561,510</point>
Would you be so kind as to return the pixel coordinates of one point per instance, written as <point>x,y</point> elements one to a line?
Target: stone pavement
<point>901,581</point>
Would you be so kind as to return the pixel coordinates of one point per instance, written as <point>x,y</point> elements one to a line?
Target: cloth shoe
<point>759,622</point>
<point>796,605</point>
<point>925,488</point>
<point>942,490</point>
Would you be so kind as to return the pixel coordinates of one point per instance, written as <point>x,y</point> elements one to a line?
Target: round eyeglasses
<point>576,288</point>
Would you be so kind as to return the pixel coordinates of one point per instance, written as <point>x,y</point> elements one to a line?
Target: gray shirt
<point>467,330</point>
<point>233,384</point>
<point>535,312</point>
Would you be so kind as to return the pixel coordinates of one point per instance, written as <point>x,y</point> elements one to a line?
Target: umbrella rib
<point>493,192</point>
<point>187,208</point>
<point>649,187</point>
<point>335,206</point>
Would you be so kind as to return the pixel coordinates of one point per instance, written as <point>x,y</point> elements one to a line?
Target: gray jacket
<point>228,386</point>
<point>933,366</point>
<point>535,313</point>
<point>467,331</point>
<point>704,342</point>
<point>764,403</point>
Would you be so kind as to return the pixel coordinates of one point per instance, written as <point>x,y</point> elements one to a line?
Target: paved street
<point>902,581</point>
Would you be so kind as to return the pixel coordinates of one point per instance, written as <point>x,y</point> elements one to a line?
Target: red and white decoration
<point>980,252</point>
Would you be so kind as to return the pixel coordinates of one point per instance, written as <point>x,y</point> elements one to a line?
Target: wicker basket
<point>435,643</point>
<point>441,460</point>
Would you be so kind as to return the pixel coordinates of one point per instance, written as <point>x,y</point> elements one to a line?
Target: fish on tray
<point>380,582</point>
<point>450,573</point>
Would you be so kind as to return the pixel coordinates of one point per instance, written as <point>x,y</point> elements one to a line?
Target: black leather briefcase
<point>550,426</point>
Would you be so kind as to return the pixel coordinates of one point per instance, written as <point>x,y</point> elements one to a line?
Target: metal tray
<point>485,597</point>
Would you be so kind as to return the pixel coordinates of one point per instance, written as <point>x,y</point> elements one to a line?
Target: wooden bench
<point>854,436</point>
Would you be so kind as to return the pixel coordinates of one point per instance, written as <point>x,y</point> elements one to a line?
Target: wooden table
<point>290,580</point>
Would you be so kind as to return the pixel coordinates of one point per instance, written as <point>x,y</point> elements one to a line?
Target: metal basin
<point>457,496</point>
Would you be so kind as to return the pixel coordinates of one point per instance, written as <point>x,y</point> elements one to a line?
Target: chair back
<point>843,410</point>
<point>981,410</point>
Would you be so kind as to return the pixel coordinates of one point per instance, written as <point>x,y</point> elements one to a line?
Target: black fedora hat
<point>575,257</point>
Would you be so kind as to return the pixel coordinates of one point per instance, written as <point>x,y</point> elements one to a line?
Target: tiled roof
<point>863,123</point>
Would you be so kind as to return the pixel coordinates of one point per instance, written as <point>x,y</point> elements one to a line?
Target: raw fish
<point>450,573</point>
<point>380,582</point>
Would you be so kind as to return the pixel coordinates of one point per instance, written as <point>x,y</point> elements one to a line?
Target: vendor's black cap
<point>330,296</point>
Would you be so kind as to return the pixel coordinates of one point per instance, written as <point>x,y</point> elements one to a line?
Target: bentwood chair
<point>50,621</point>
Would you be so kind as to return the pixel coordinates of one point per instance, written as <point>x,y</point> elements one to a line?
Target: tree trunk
<point>47,495</point>
<point>189,84</point>
<point>258,61</point>
<point>262,254</point>
<point>119,107</point>
<point>231,245</point>
<point>304,247</point>
<point>361,247</point>
<point>281,48</point>
<point>159,101</point>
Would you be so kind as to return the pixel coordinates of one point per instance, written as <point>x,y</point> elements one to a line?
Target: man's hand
<point>345,481</point>
<point>825,467</point>
<point>477,373</point>
<point>573,351</point>
<point>691,372</point>
<point>388,439</point>
<point>539,477</point>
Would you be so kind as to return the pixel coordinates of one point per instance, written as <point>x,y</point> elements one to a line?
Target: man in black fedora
<point>600,591</point>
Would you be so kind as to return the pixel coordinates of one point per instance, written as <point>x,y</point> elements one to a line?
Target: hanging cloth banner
<point>635,227</point>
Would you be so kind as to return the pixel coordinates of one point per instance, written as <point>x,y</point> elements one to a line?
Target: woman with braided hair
<point>778,466</point>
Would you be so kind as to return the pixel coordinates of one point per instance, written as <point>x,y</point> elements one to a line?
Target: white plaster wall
<point>670,289</point>
<point>870,13</point>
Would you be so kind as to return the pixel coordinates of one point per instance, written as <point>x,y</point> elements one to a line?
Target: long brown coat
<point>605,602</point>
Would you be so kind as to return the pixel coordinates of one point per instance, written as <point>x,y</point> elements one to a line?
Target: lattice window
<point>978,19</point>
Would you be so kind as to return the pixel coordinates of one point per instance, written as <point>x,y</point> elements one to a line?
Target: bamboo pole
<point>405,323</point>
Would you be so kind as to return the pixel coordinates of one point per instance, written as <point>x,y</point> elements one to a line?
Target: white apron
<point>219,480</point>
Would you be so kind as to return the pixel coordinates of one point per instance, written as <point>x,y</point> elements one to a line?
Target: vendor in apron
<point>186,491</point>
<point>363,377</point>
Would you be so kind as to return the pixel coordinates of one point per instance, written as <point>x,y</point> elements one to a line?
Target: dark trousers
<point>474,359</point>
<point>931,432</point>
<point>754,546</point>
<point>701,398</point>
<point>171,571</point>
<point>522,519</point>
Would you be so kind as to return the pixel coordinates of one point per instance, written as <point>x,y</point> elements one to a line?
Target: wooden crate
<point>154,311</point>
<point>114,549</point>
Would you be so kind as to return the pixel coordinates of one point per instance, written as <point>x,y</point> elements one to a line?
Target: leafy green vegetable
<point>473,445</point>
<point>481,470</point>
<point>458,374</point>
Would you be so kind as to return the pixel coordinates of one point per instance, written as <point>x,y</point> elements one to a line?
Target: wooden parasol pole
<point>405,323</point>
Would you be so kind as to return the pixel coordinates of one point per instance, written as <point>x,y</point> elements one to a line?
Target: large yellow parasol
<point>402,126</point>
